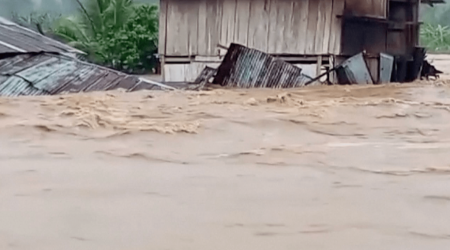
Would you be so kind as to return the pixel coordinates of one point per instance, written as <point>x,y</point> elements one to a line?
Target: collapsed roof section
<point>17,39</point>
<point>51,74</point>
<point>33,64</point>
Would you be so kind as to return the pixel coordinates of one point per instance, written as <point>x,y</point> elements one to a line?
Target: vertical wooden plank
<point>162,27</point>
<point>287,16</point>
<point>332,77</point>
<point>171,22</point>
<point>320,30</point>
<point>258,24</point>
<point>182,72</point>
<point>172,27</point>
<point>177,26</point>
<point>193,30</point>
<point>274,23</point>
<point>228,22</point>
<point>319,66</point>
<point>183,43</point>
<point>242,20</point>
<point>212,27</point>
<point>281,39</point>
<point>175,72</point>
<point>163,66</point>
<point>202,42</point>
<point>416,17</point>
<point>379,8</point>
<point>219,15</point>
<point>334,46</point>
<point>310,35</point>
<point>299,23</point>
<point>162,36</point>
<point>416,11</point>
<point>165,73</point>
<point>192,70</point>
<point>328,23</point>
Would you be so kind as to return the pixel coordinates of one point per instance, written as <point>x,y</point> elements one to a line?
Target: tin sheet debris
<point>249,68</point>
<point>51,74</point>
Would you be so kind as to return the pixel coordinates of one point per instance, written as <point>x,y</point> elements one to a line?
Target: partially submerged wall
<point>304,32</point>
<point>297,27</point>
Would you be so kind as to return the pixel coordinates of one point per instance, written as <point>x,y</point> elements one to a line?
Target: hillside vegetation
<point>54,7</point>
<point>435,32</point>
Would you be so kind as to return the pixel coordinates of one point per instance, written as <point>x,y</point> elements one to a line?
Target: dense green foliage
<point>130,47</point>
<point>63,7</point>
<point>435,32</point>
<point>119,34</point>
<point>116,33</point>
<point>435,37</point>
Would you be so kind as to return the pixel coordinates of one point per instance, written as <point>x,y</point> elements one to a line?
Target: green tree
<point>116,33</point>
<point>435,37</point>
<point>435,32</point>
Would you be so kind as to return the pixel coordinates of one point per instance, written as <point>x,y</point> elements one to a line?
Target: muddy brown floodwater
<point>335,168</point>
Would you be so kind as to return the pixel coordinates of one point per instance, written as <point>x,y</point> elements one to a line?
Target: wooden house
<point>313,34</point>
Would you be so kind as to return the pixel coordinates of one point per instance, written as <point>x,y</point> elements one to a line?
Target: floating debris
<point>249,68</point>
<point>203,79</point>
<point>429,70</point>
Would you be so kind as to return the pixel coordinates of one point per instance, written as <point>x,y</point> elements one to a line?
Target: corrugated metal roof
<point>49,74</point>
<point>249,68</point>
<point>17,39</point>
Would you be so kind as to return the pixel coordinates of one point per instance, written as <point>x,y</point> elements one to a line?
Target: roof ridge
<point>16,28</point>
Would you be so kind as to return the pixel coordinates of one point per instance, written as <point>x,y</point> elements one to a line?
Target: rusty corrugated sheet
<point>17,39</point>
<point>203,79</point>
<point>50,74</point>
<point>249,68</point>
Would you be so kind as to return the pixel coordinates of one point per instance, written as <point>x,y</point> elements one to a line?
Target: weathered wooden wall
<point>295,27</point>
<point>300,31</point>
<point>373,8</point>
<point>403,33</point>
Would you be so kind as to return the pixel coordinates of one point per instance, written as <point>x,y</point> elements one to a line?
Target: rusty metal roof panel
<point>249,68</point>
<point>46,73</point>
<point>17,39</point>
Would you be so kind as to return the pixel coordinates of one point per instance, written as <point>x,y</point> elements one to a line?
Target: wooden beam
<point>319,65</point>
<point>162,27</point>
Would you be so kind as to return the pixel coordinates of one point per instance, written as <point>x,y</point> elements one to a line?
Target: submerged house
<point>32,64</point>
<point>312,34</point>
